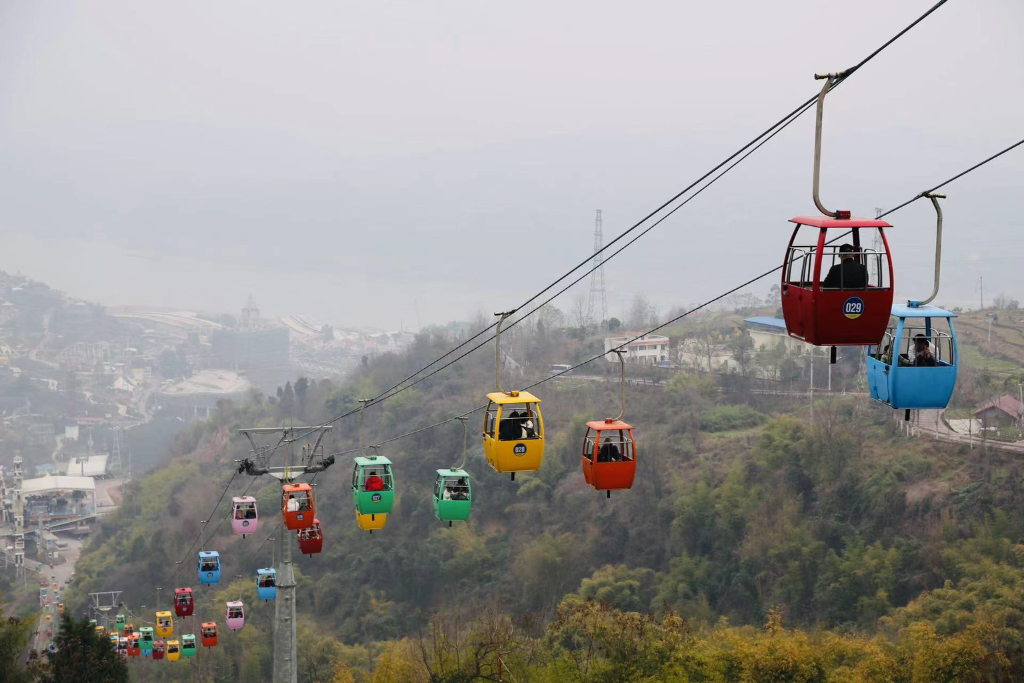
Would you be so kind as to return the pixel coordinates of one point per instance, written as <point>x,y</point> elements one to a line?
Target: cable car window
<point>456,488</point>
<point>857,269</point>
<point>490,419</point>
<point>616,446</point>
<point>518,421</point>
<point>923,347</point>
<point>800,260</point>
<point>437,488</point>
<point>589,448</point>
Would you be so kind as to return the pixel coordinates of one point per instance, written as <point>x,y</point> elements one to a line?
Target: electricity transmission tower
<point>597,310</point>
<point>311,461</point>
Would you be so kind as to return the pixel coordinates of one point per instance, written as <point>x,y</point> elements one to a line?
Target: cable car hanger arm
<point>934,197</point>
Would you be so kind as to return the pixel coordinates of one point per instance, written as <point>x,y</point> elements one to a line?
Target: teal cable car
<point>453,495</point>
<point>119,622</point>
<point>188,645</point>
<point>146,640</point>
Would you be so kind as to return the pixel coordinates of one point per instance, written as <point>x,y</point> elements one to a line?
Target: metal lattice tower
<point>19,519</point>
<point>597,310</point>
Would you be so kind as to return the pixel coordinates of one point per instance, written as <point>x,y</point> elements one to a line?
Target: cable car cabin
<point>101,630</point>
<point>113,640</point>
<point>146,640</point>
<point>184,604</point>
<point>371,523</point>
<point>209,633</point>
<point>244,517</point>
<point>453,496</point>
<point>266,581</point>
<point>119,622</point>
<point>373,485</point>
<point>133,645</point>
<point>297,506</point>
<point>609,455</point>
<point>173,650</point>
<point>209,566</point>
<point>159,647</point>
<point>235,615</point>
<point>129,629</point>
<point>915,365</point>
<point>164,625</point>
<point>311,540</point>
<point>188,645</point>
<point>836,289</point>
<point>513,432</point>
<point>122,646</point>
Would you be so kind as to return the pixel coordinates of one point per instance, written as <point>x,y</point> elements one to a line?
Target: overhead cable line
<point>205,523</point>
<point>697,308</point>
<point>741,153</point>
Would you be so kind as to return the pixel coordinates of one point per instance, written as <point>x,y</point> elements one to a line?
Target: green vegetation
<point>756,545</point>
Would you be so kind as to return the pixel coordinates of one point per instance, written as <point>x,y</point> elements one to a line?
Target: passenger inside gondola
<point>922,352</point>
<point>267,580</point>
<point>209,631</point>
<point>609,453</point>
<point>234,612</point>
<point>849,273</point>
<point>373,481</point>
<point>456,489</point>
<point>209,564</point>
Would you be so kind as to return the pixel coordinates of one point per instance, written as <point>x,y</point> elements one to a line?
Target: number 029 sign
<point>853,307</point>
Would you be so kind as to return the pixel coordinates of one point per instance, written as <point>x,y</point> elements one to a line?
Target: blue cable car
<point>897,373</point>
<point>914,366</point>
<point>209,566</point>
<point>266,583</point>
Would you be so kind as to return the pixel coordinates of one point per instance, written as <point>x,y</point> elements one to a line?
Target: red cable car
<point>311,540</point>
<point>184,605</point>
<point>158,649</point>
<point>836,294</point>
<point>297,507</point>
<point>609,451</point>
<point>209,633</point>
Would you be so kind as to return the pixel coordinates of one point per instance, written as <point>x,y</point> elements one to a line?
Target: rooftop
<point>767,321</point>
<point>50,484</point>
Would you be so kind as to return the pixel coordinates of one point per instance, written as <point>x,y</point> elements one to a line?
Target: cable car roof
<point>208,553</point>
<point>852,222</point>
<point>512,397</point>
<point>453,472</point>
<point>372,460</point>
<point>600,425</point>
<point>926,311</point>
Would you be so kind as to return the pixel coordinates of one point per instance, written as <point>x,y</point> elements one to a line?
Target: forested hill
<point>896,559</point>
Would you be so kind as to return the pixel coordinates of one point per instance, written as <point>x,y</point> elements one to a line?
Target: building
<point>198,395</point>
<point>767,332</point>
<point>649,349</point>
<point>1002,413</point>
<point>87,466</point>
<point>250,349</point>
<point>55,500</point>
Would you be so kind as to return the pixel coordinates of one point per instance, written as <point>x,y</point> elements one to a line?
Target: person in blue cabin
<point>849,273</point>
<point>923,356</point>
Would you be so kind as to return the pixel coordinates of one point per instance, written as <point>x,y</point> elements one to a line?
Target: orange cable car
<point>609,449</point>
<point>208,633</point>
<point>297,506</point>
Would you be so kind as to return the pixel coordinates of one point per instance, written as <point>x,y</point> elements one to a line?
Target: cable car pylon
<point>312,461</point>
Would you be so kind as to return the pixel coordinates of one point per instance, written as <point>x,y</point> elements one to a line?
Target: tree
<point>614,324</point>
<point>642,313</point>
<point>83,656</point>
<point>742,347</point>
<point>579,312</point>
<point>14,636</point>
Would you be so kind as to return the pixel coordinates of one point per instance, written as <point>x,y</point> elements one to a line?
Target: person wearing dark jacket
<point>849,273</point>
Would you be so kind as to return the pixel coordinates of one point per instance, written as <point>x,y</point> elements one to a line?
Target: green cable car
<point>453,496</point>
<point>119,622</point>
<point>373,485</point>
<point>188,645</point>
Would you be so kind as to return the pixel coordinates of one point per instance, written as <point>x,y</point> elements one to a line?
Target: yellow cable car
<point>173,650</point>
<point>513,426</point>
<point>371,523</point>
<point>164,625</point>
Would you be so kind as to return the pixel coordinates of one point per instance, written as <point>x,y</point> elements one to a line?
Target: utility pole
<point>981,289</point>
<point>597,308</point>
<point>19,519</point>
<point>311,461</point>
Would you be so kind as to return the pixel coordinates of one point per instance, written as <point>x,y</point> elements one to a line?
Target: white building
<point>650,349</point>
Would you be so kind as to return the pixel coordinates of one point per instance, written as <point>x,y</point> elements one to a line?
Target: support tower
<point>597,310</point>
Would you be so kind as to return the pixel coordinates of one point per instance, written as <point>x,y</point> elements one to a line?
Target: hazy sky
<point>352,160</point>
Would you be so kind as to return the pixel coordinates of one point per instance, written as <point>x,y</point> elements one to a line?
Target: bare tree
<point>579,312</point>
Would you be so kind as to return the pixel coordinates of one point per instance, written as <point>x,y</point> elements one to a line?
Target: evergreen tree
<point>83,656</point>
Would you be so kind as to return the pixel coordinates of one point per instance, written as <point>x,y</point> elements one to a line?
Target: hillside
<point>894,556</point>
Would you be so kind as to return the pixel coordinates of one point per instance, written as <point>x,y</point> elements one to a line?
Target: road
<point>930,424</point>
<point>62,572</point>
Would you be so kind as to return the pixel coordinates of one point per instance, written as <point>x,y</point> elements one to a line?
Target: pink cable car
<point>244,517</point>
<point>235,615</point>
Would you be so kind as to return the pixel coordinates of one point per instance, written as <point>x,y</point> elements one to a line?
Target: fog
<point>410,163</point>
